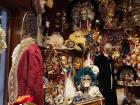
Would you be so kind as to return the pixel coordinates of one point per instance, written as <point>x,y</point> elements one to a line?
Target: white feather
<point>56,40</point>
<point>94,92</point>
<point>70,90</point>
<point>89,63</point>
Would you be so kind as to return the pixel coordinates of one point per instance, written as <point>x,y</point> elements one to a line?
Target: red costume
<point>26,76</point>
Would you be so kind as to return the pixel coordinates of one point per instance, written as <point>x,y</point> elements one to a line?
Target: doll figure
<point>65,66</point>
<point>69,88</point>
<point>77,64</point>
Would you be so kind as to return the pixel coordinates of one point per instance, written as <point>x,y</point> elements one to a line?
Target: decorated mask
<point>64,61</point>
<point>84,14</point>
<point>108,49</point>
<point>77,62</point>
<point>86,81</point>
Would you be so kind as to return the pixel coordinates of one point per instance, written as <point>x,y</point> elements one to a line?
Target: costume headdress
<point>108,46</point>
<point>82,72</point>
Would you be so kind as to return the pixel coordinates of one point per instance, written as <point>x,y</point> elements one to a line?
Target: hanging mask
<point>84,14</point>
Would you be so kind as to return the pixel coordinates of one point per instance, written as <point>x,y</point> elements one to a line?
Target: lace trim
<point>13,80</point>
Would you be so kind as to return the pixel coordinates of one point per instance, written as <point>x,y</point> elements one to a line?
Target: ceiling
<point>26,4</point>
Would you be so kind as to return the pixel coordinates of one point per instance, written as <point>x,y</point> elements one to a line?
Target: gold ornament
<point>49,3</point>
<point>2,41</point>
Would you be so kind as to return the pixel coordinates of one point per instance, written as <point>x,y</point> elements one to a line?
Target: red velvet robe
<point>26,75</point>
<point>29,74</point>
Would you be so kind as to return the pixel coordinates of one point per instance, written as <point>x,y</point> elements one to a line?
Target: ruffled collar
<point>17,51</point>
<point>27,41</point>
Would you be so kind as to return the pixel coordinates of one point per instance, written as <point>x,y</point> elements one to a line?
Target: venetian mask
<point>108,49</point>
<point>77,63</point>
<point>84,14</point>
<point>64,61</point>
<point>86,81</point>
<point>127,76</point>
<point>49,67</point>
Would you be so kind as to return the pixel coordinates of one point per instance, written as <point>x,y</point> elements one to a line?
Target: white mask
<point>87,84</point>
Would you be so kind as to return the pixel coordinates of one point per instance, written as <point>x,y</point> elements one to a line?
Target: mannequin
<point>106,78</point>
<point>26,73</point>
